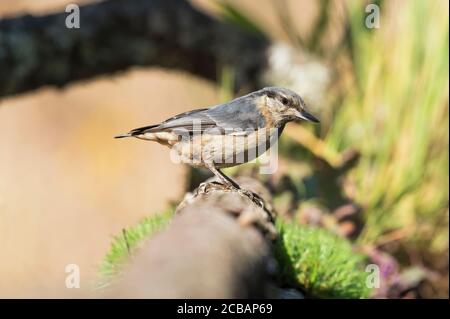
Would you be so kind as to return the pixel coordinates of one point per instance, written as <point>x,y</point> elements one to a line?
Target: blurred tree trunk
<point>116,35</point>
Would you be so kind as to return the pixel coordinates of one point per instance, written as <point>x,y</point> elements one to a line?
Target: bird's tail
<point>138,131</point>
<point>123,135</point>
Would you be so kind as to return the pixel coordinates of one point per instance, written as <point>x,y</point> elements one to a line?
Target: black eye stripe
<point>285,101</point>
<point>271,94</point>
<point>281,98</point>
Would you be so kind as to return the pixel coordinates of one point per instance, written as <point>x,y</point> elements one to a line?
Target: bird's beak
<point>302,114</point>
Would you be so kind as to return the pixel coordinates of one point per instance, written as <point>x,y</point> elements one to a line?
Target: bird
<point>228,134</point>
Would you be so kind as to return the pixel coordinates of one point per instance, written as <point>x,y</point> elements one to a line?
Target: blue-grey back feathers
<point>239,114</point>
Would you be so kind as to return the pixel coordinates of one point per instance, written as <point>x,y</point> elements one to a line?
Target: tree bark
<point>217,246</point>
<point>115,35</point>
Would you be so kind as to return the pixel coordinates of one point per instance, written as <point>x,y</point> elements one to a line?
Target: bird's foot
<point>262,217</point>
<point>205,187</point>
<point>252,196</point>
<point>259,215</point>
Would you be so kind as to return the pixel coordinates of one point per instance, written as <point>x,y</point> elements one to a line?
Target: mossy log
<point>218,245</point>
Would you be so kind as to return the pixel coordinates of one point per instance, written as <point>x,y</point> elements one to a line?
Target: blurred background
<point>375,171</point>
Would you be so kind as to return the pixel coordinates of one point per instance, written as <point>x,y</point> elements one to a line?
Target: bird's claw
<point>263,220</point>
<point>252,196</point>
<point>201,189</point>
<point>205,187</point>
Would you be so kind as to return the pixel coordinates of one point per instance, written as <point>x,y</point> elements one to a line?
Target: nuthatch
<point>228,134</point>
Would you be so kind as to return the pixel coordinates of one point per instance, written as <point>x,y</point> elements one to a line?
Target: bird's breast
<point>225,150</point>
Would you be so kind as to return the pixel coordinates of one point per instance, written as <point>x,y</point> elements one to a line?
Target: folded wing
<point>239,115</point>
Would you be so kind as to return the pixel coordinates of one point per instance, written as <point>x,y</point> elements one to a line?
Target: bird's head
<point>285,105</point>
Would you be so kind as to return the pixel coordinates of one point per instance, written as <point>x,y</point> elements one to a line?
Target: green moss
<point>125,244</point>
<point>318,262</point>
<point>313,259</point>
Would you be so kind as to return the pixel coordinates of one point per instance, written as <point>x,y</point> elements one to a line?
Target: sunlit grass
<point>123,246</point>
<point>396,115</point>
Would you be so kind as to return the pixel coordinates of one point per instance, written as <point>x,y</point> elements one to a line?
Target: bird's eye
<point>285,101</point>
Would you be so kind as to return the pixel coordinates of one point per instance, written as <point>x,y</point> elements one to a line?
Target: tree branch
<point>117,34</point>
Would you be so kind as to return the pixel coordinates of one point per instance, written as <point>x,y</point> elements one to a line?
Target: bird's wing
<point>239,115</point>
<point>184,121</point>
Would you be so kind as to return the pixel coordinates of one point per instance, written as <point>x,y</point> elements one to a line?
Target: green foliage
<point>391,105</point>
<point>396,114</point>
<point>124,245</point>
<point>320,263</point>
